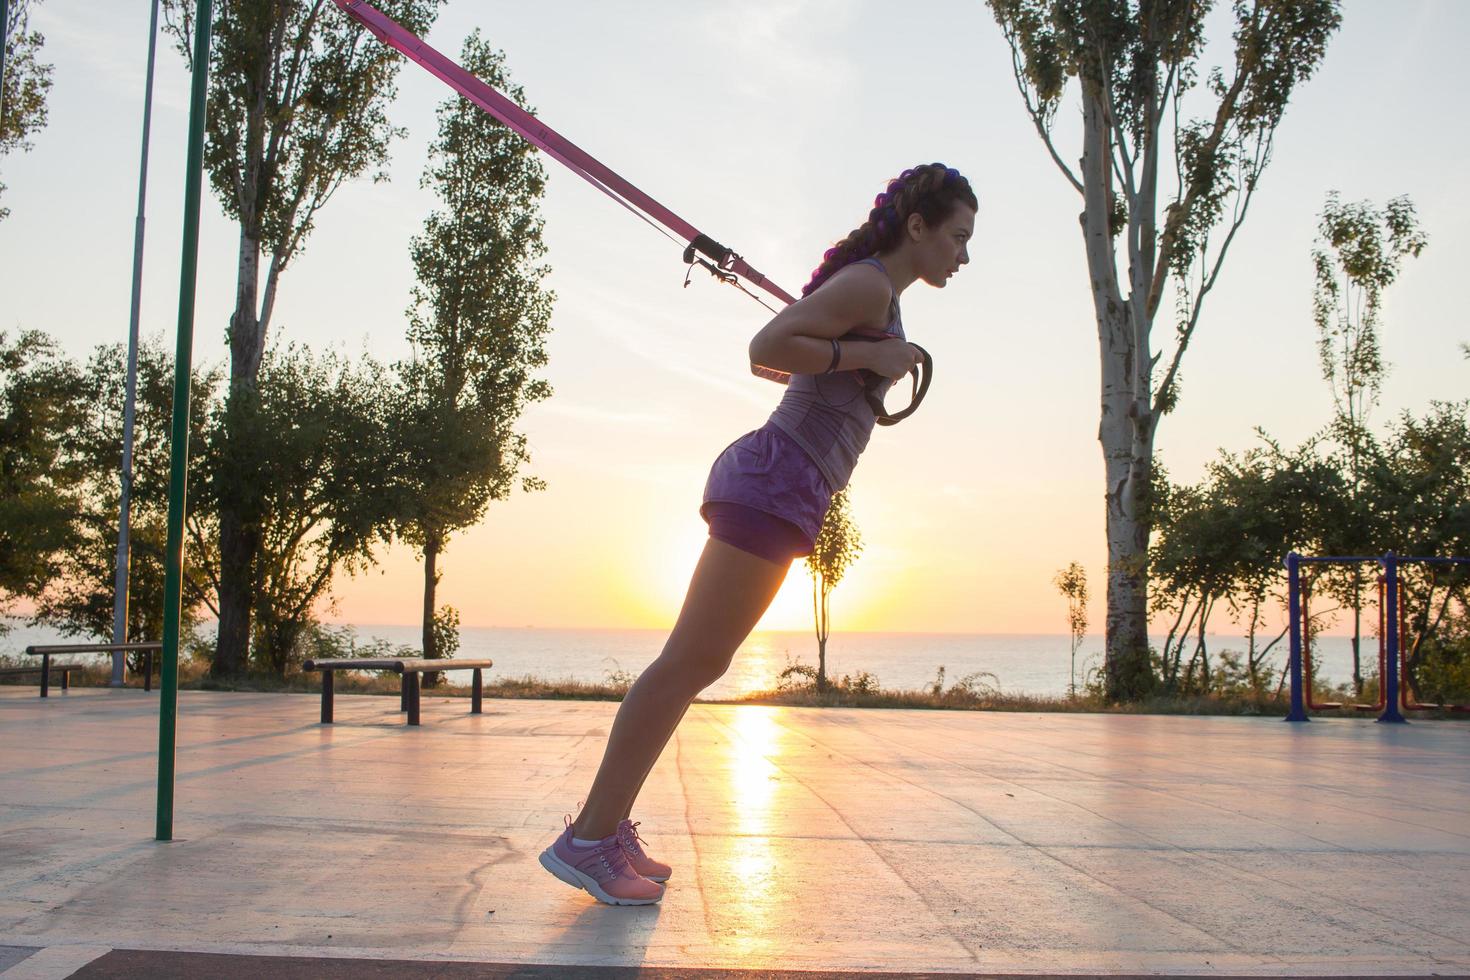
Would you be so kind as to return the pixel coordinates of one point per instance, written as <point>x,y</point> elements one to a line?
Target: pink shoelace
<point>628,834</point>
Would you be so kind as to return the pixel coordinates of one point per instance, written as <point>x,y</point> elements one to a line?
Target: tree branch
<point>1207,283</point>
<point>1019,71</point>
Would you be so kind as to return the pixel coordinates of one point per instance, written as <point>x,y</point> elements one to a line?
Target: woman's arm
<point>799,339</point>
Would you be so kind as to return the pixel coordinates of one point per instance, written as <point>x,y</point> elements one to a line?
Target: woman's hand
<point>891,358</point>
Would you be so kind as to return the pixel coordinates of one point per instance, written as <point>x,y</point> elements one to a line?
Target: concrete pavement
<point>838,840</point>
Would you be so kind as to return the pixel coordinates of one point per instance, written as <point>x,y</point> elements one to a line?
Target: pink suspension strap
<point>726,266</point>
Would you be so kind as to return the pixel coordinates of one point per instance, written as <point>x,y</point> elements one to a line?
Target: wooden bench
<point>47,652</point>
<point>410,668</point>
<point>45,672</point>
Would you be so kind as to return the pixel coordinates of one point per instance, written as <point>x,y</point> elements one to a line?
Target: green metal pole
<point>179,446</point>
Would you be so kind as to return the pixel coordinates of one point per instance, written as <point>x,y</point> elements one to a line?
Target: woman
<point>766,497</point>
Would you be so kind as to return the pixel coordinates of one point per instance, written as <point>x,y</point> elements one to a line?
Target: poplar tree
<point>298,94</point>
<point>1169,164</point>
<point>478,322</point>
<point>1359,253</point>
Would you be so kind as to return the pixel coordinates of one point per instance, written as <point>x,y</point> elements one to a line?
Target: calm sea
<point>1018,663</point>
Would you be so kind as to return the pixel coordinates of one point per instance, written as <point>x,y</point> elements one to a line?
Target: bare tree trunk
<point>823,632</point>
<point>432,547</point>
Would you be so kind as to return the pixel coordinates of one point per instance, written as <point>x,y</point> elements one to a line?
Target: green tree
<point>478,324</point>
<point>1420,485</point>
<point>23,83</point>
<point>297,105</point>
<point>39,400</point>
<point>1358,256</point>
<point>1071,582</point>
<point>323,478</point>
<point>838,545</point>
<point>1223,540</point>
<point>80,600</point>
<point>1175,187</point>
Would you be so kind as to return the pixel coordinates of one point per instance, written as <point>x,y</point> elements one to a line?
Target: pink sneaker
<point>637,857</point>
<point>602,869</point>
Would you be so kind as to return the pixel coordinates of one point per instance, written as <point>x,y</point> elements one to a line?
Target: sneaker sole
<point>587,883</point>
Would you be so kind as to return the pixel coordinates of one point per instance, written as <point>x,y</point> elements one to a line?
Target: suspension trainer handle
<point>922,373</point>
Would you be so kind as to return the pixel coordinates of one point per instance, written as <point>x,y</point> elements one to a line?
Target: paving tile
<point>817,839</point>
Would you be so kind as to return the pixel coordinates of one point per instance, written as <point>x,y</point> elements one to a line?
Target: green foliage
<point>798,676</point>
<point>1419,488</point>
<point>298,97</point>
<point>1358,256</point>
<point>478,322</point>
<point>80,599</point>
<point>1072,583</point>
<point>1224,539</point>
<point>323,642</point>
<point>40,399</point>
<point>24,85</point>
<point>1443,673</point>
<point>838,545</point>
<point>1167,172</point>
<point>314,450</point>
<point>446,632</point>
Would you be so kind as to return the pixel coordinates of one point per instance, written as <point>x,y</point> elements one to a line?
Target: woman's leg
<point>637,790</point>
<point>730,591</point>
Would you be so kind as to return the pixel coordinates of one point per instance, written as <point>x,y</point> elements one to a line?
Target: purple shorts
<point>766,496</point>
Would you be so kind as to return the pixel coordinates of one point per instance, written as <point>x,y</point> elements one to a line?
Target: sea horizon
<point>1016,663</point>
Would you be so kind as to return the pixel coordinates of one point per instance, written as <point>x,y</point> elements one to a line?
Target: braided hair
<point>931,191</point>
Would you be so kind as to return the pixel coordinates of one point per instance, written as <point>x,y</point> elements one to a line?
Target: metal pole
<point>1294,588</point>
<point>120,590</point>
<point>179,446</point>
<point>1390,680</point>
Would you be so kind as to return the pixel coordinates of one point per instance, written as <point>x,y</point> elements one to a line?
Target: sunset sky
<point>770,125</point>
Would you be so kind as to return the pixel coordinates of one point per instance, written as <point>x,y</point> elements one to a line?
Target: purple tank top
<point>828,415</point>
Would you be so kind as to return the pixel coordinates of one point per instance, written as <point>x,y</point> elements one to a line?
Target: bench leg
<point>476,693</point>
<point>45,674</point>
<point>402,692</point>
<point>148,671</point>
<point>413,697</point>
<point>326,697</point>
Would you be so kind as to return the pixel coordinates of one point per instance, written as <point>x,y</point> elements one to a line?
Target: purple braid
<point>931,191</point>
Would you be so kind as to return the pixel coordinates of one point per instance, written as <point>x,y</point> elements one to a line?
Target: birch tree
<point>478,323</point>
<point>1164,188</point>
<point>298,94</point>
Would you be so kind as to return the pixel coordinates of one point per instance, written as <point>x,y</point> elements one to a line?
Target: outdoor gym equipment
<point>1394,688</point>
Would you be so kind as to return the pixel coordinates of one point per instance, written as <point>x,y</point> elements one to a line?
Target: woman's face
<point>939,252</point>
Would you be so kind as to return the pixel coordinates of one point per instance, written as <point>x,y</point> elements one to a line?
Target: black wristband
<point>836,356</point>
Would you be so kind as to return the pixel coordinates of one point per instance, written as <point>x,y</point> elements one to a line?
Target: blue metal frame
<point>1390,680</point>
